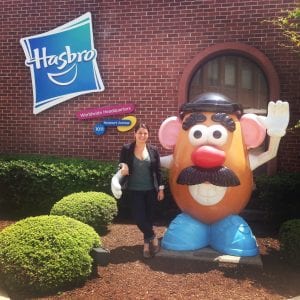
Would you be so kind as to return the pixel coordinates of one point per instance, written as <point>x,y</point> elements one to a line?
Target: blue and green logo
<point>62,63</point>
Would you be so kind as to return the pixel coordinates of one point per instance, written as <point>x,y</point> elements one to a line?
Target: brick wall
<point>143,47</point>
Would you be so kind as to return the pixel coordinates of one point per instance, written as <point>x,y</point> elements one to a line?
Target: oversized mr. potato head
<point>211,170</point>
<point>223,160</point>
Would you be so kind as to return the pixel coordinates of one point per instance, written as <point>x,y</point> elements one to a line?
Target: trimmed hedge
<point>93,208</point>
<point>30,185</point>
<point>278,196</point>
<point>289,237</point>
<point>46,254</point>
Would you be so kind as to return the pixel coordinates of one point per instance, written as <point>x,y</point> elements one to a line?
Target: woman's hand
<point>160,195</point>
<point>124,169</point>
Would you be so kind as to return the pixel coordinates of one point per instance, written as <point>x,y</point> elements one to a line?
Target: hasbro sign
<point>62,63</point>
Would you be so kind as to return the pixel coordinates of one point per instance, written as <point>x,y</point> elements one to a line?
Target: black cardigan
<point>127,155</point>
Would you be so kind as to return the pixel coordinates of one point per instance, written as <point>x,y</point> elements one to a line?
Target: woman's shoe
<point>155,245</point>
<point>147,254</point>
<point>146,251</point>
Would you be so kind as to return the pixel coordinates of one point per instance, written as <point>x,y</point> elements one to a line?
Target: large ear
<point>253,131</point>
<point>168,132</point>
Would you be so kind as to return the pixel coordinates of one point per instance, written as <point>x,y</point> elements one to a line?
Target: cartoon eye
<point>217,135</point>
<point>198,135</point>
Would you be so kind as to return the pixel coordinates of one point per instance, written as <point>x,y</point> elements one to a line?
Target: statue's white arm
<point>166,161</point>
<point>115,185</point>
<point>115,181</point>
<point>276,123</point>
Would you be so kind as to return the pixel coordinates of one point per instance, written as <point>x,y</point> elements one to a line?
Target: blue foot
<point>185,234</point>
<point>233,236</point>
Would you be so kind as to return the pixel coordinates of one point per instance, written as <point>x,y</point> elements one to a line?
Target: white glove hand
<point>277,119</point>
<point>115,185</point>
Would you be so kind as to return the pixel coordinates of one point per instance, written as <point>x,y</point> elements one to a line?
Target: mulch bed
<point>130,276</point>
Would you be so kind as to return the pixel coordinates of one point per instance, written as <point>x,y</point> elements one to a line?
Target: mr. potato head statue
<point>215,149</point>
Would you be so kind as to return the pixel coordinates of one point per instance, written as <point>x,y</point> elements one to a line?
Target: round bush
<point>46,254</point>
<point>93,208</point>
<point>289,237</point>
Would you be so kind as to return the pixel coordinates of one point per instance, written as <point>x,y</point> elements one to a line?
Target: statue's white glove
<point>115,185</point>
<point>277,119</point>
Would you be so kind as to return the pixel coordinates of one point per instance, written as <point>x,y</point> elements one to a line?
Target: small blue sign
<point>99,129</point>
<point>62,63</point>
<point>116,122</point>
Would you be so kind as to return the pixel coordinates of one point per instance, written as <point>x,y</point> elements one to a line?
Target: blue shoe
<point>233,236</point>
<point>185,234</point>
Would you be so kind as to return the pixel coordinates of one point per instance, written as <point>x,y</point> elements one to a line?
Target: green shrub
<point>30,185</point>
<point>93,208</point>
<point>278,196</point>
<point>46,254</point>
<point>289,237</point>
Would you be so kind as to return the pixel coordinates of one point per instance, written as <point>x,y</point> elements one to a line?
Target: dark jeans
<point>142,205</point>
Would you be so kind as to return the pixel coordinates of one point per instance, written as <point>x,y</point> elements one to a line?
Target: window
<point>236,77</point>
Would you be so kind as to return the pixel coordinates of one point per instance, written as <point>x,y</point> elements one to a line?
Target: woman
<point>140,164</point>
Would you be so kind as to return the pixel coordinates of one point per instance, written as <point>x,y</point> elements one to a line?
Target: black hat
<point>211,102</point>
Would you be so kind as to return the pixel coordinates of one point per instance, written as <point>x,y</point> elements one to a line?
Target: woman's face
<point>141,135</point>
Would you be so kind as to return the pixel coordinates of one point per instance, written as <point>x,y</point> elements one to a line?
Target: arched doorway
<point>234,76</point>
<point>235,49</point>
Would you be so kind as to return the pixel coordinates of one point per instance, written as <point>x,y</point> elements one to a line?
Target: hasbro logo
<point>62,63</point>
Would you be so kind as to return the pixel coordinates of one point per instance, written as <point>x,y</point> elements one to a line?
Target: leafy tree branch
<point>289,24</point>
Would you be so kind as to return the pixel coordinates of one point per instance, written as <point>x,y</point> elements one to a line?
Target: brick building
<point>155,54</point>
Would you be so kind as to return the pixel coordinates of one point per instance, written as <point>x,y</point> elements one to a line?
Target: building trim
<point>229,48</point>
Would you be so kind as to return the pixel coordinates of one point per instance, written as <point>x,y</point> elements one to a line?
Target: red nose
<point>208,157</point>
